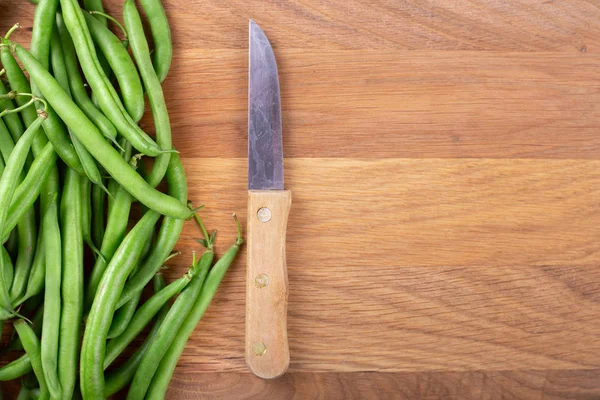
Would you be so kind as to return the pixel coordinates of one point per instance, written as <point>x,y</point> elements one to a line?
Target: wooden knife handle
<point>267,352</point>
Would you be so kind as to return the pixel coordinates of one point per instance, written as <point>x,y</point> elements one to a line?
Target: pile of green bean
<point>72,167</point>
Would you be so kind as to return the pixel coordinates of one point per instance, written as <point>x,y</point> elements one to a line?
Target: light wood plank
<point>476,385</point>
<point>516,25</point>
<point>418,265</point>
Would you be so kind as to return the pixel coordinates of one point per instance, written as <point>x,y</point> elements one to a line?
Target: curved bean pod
<point>167,331</point>
<point>123,315</point>
<point>162,376</point>
<point>93,140</point>
<point>32,347</point>
<point>94,340</point>
<point>120,377</point>
<point>16,369</point>
<point>105,93</point>
<point>161,33</point>
<point>143,316</point>
<point>122,65</point>
<point>141,54</point>
<point>77,86</point>
<point>29,189</point>
<point>168,235</point>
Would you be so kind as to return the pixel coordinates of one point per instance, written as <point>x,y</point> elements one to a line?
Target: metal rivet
<point>259,348</point>
<point>261,281</point>
<point>264,214</point>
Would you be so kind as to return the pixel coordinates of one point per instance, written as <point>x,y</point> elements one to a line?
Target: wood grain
<point>444,159</point>
<point>474,385</point>
<point>267,349</point>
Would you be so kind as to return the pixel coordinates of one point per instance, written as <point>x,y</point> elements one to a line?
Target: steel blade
<point>265,152</point>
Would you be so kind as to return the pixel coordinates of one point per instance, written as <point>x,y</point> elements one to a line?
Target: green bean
<point>29,189</point>
<point>105,92</point>
<point>26,229</point>
<point>91,138</point>
<point>86,214</point>
<point>72,283</point>
<point>36,323</point>
<point>7,143</point>
<point>98,210</point>
<point>122,65</point>
<point>168,234</point>
<point>120,377</point>
<point>145,313</point>
<point>16,369</point>
<point>27,240</point>
<point>24,392</point>
<point>141,54</point>
<point>123,315</point>
<point>12,121</point>
<point>60,74</point>
<point>162,377</point>
<point>8,182</point>
<point>7,266</point>
<point>52,300</point>
<point>116,226</point>
<point>77,86</point>
<point>37,277</point>
<point>41,35</point>
<point>33,349</point>
<point>95,5</point>
<point>161,33</point>
<point>18,82</point>
<point>98,323</point>
<point>166,333</point>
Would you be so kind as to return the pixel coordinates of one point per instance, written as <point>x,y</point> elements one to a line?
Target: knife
<point>267,352</point>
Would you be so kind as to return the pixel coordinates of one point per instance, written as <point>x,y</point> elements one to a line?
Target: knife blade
<point>267,352</point>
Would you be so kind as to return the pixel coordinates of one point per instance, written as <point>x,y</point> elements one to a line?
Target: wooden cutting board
<point>444,157</point>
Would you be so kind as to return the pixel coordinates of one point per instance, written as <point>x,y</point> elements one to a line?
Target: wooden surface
<point>444,160</point>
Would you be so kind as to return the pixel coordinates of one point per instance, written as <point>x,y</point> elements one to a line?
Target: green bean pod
<point>12,120</point>
<point>98,207</point>
<point>36,323</point>
<point>8,183</point>
<point>93,140</point>
<point>24,393</point>
<point>120,377</point>
<point>123,315</point>
<point>161,33</point>
<point>52,299</point>
<point>16,369</point>
<point>7,266</point>
<point>77,86</point>
<point>167,237</point>
<point>121,63</point>
<point>143,316</point>
<point>18,81</point>
<point>95,5</point>
<point>29,189</point>
<point>94,340</point>
<point>103,89</point>
<point>141,54</point>
<point>37,277</point>
<point>166,367</point>
<point>26,230</point>
<point>72,283</point>
<point>166,333</point>
<point>27,239</point>
<point>116,226</point>
<point>33,349</point>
